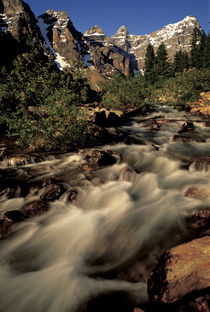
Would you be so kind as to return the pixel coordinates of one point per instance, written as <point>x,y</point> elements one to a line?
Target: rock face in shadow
<point>182,271</point>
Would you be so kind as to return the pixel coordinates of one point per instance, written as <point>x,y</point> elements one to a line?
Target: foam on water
<point>59,261</point>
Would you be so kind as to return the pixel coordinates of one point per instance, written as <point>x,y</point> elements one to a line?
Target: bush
<point>39,103</point>
<point>122,92</point>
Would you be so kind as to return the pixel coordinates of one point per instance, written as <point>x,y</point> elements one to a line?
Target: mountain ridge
<point>59,39</point>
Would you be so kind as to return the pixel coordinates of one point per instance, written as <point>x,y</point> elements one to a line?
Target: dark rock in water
<point>5,224</point>
<point>182,271</point>
<point>7,193</point>
<point>14,215</point>
<point>101,158</point>
<point>201,164</point>
<point>36,208</point>
<point>198,191</point>
<point>111,302</point>
<point>52,192</point>
<point>199,224</point>
<point>181,139</point>
<point>2,152</point>
<point>72,196</point>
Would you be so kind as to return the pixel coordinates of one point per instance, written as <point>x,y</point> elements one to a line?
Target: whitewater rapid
<point>127,214</point>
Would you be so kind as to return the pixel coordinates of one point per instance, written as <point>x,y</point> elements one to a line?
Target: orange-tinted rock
<point>181,271</point>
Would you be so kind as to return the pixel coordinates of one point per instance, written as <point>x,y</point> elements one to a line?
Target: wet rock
<point>7,193</point>
<point>199,224</point>
<point>14,215</point>
<point>36,208</point>
<point>198,192</point>
<point>202,164</point>
<point>72,196</point>
<point>181,272</point>
<point>20,160</point>
<point>52,192</point>
<point>114,302</point>
<point>5,224</point>
<point>181,138</point>
<point>101,158</point>
<point>2,152</point>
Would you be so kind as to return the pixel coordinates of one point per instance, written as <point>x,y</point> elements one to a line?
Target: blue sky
<point>139,17</point>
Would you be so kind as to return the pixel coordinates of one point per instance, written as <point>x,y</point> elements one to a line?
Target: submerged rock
<point>181,271</point>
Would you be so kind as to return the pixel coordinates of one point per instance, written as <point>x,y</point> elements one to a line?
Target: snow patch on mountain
<point>59,60</point>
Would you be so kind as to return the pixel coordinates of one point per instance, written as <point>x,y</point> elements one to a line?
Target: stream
<point>109,237</point>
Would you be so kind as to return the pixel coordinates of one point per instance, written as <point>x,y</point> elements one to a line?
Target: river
<point>109,238</point>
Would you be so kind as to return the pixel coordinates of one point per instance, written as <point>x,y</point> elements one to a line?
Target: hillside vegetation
<point>42,105</point>
<point>178,82</point>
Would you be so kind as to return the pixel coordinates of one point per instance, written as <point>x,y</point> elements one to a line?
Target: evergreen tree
<point>181,62</point>
<point>194,52</point>
<point>162,66</point>
<point>149,71</point>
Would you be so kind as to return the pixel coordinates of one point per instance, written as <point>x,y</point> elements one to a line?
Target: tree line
<point>158,67</point>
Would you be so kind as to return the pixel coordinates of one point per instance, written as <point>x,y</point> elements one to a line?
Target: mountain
<point>55,36</point>
<point>175,37</point>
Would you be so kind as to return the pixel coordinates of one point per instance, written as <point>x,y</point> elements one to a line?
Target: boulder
<point>201,164</point>
<point>201,192</point>
<point>101,158</point>
<point>182,271</point>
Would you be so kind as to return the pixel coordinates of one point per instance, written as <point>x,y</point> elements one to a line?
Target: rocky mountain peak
<point>122,31</point>
<point>94,30</point>
<point>18,23</point>
<point>11,6</point>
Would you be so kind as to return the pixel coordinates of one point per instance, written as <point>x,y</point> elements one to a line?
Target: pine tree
<point>194,52</point>
<point>181,61</point>
<point>162,66</point>
<point>149,64</point>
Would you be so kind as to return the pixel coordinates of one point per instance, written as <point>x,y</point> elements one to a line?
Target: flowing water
<point>123,219</point>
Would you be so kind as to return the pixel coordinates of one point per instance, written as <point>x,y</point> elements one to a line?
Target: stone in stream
<point>201,164</point>
<point>182,275</point>
<point>198,225</point>
<point>52,192</point>
<point>101,158</point>
<point>36,208</point>
<point>14,215</point>
<point>5,224</point>
<point>201,192</point>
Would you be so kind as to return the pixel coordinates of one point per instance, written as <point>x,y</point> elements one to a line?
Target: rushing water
<point>120,223</point>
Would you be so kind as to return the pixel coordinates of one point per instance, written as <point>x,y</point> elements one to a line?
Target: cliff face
<point>17,20</point>
<point>175,37</point>
<point>57,37</point>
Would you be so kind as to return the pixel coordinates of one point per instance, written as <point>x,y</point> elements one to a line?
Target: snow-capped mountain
<point>58,38</point>
<point>175,37</point>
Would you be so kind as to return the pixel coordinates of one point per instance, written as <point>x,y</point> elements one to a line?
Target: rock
<point>52,192</point>
<point>181,271</point>
<point>20,160</point>
<point>36,208</point>
<point>201,164</point>
<point>7,193</point>
<point>105,118</point>
<point>181,138</point>
<point>101,158</point>
<point>2,152</point>
<point>14,215</point>
<point>199,224</point>
<point>5,224</point>
<point>72,196</point>
<point>134,46</point>
<point>198,192</point>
